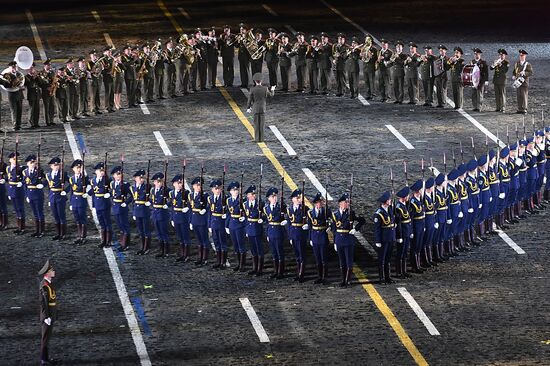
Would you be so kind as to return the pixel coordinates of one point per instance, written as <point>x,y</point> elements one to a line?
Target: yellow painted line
<point>390,317</point>
<point>169,16</point>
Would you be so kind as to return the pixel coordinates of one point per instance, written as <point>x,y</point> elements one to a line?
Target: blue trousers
<point>19,207</point>
<point>402,248</point>
<point>384,255</point>
<point>183,233</point>
<point>547,185</point>
<point>238,239</point>
<point>58,211</point>
<point>161,227</point>
<point>277,252</point>
<point>418,240</point>
<point>299,248</point>
<point>320,252</point>
<point>220,239</point>
<point>345,255</point>
<point>256,246</point>
<point>122,222</point>
<point>3,200</point>
<point>143,226</point>
<point>104,217</point>
<point>79,214</point>
<point>201,231</point>
<point>37,206</point>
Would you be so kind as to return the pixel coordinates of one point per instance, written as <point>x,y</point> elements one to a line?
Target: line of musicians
<point>434,219</point>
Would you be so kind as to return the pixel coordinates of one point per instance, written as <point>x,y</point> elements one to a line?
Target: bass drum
<point>470,76</point>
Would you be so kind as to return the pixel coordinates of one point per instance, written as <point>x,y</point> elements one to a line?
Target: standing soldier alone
<point>256,105</point>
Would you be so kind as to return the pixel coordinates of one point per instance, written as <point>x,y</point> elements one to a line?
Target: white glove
<point>70,207</point>
<point>28,200</point>
<point>2,181</point>
<point>133,217</point>
<point>284,222</point>
<point>436,225</point>
<point>352,232</point>
<point>173,224</point>
<point>123,204</point>
<point>227,230</point>
<point>249,110</point>
<point>224,216</point>
<point>328,230</point>
<point>88,187</point>
<point>460,214</point>
<point>85,195</point>
<point>291,243</point>
<point>335,249</point>
<point>202,212</point>
<point>522,73</point>
<point>412,236</point>
<point>400,241</point>
<point>449,222</point>
<point>490,199</point>
<point>19,184</point>
<point>544,180</point>
<point>241,219</point>
<point>40,186</point>
<point>305,227</point>
<point>502,195</point>
<point>185,210</point>
<point>310,243</point>
<point>486,83</point>
<point>272,87</point>
<point>260,221</point>
<point>518,161</point>
<point>48,321</point>
<point>63,193</point>
<point>107,195</point>
<point>210,230</point>
<point>49,204</point>
<point>147,203</point>
<point>9,198</point>
<point>165,207</point>
<point>480,205</point>
<point>378,245</point>
<point>191,227</point>
<point>471,210</point>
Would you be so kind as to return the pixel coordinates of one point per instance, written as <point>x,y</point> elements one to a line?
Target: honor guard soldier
<point>477,93</point>
<point>284,61</point>
<point>297,232</point>
<point>3,193</point>
<point>325,63</point>
<point>404,234</point>
<point>494,185</point>
<point>504,177</point>
<point>212,53</point>
<point>48,313</point>
<point>397,64</point>
<point>318,220</point>
<point>521,74</point>
<point>441,78</point>
<point>443,221</point>
<point>312,61</point>
<point>235,225</point>
<point>427,75</point>
<point>34,92</point>
<point>227,50</point>
<point>141,210</point>
<point>254,232</point>
<point>57,197</point>
<point>274,211</point>
<point>486,198</point>
<point>94,67</point>
<point>272,55</point>
<point>430,223</point>
<point>343,229</point>
<point>243,55</point>
<point>73,90</point>
<point>15,94</point>
<point>339,55</point>
<point>512,199</point>
<point>83,92</point>
<point>48,92</point>
<point>456,64</point>
<point>99,191</point>
<point>411,73</point>
<point>299,50</point>
<point>467,210</point>
<point>79,184</point>
<point>475,201</point>
<point>62,95</point>
<point>384,236</point>
<point>416,208</point>
<point>541,167</point>
<point>33,178</point>
<point>257,64</point>
<point>500,66</point>
<point>160,215</point>
<point>523,190</point>
<point>546,152</point>
<point>216,222</point>
<point>384,56</point>
<point>199,219</point>
<point>121,197</point>
<point>455,213</point>
<point>108,81</point>
<point>532,174</point>
<point>16,191</point>
<point>369,58</point>
<point>352,68</point>
<point>180,216</point>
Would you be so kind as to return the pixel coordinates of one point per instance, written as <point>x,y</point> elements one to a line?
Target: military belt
<point>252,220</point>
<point>420,217</point>
<point>274,223</point>
<point>78,193</point>
<point>455,203</point>
<point>197,209</point>
<point>235,216</point>
<point>52,304</point>
<point>495,182</point>
<point>217,214</point>
<point>158,206</point>
<point>99,194</point>
<point>140,202</point>
<point>31,187</point>
<point>56,189</point>
<point>319,227</point>
<point>343,231</point>
<point>464,198</point>
<point>475,193</point>
<point>406,221</point>
<point>117,200</point>
<point>178,209</point>
<point>485,189</point>
<point>505,180</point>
<point>297,225</point>
<point>430,212</point>
<point>14,183</point>
<point>387,226</point>
<point>442,208</point>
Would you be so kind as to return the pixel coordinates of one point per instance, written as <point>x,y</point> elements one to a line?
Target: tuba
<point>251,45</point>
<point>154,53</point>
<point>98,67</point>
<point>24,59</point>
<point>366,54</point>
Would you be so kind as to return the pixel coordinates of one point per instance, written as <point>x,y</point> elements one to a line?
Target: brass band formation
<point>189,63</point>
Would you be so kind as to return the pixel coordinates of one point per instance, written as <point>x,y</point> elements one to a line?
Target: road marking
<point>303,335</point>
<point>167,13</point>
<point>363,100</point>
<point>141,315</point>
<point>400,137</point>
<point>337,12</point>
<point>184,13</point>
<point>269,10</point>
<point>418,311</point>
<point>390,317</point>
<point>115,272</point>
<point>37,39</point>
<point>162,143</point>
<point>292,30</point>
<point>256,324</point>
<point>144,108</point>
<point>313,179</point>
<point>283,141</point>
<point>365,244</point>
<point>108,40</point>
<point>96,16</point>
<point>15,307</point>
<point>509,241</point>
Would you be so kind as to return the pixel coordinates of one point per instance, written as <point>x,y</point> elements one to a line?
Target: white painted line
<point>37,39</point>
<point>115,273</point>
<point>144,108</point>
<point>418,311</point>
<point>509,241</point>
<point>15,307</point>
<point>245,92</point>
<point>162,143</point>
<point>295,326</point>
<point>365,244</point>
<point>184,13</point>
<point>283,141</point>
<point>292,30</point>
<point>363,100</point>
<point>269,10</point>
<point>400,137</point>
<point>313,179</point>
<point>337,12</point>
<point>108,39</point>
<point>96,16</point>
<point>256,324</point>
<point>481,127</point>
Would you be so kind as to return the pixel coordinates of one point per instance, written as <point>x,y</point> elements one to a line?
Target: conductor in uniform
<point>522,69</point>
<point>500,66</point>
<point>48,304</point>
<point>256,105</point>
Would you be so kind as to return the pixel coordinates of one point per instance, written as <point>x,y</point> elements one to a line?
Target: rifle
<point>241,199</point>
<point>454,158</point>
<point>147,184</point>
<point>16,153</point>
<point>282,194</point>
<point>350,194</point>
<point>38,172</point>
<point>406,175</point>
<point>392,192</point>
<point>524,134</point>
<point>223,188</point>
<point>183,165</point>
<point>445,163</point>
<point>534,128</point>
<point>303,202</point>
<point>164,185</point>
<point>487,144</point>
<point>473,148</point>
<point>517,133</point>
<point>326,201</point>
<point>461,153</point>
<point>62,173</point>
<point>202,194</point>
<point>105,178</point>
<point>122,175</point>
<point>507,136</point>
<point>2,164</point>
<point>260,188</point>
<point>423,174</point>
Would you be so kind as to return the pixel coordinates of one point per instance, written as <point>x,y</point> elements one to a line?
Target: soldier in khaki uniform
<point>257,105</point>
<point>477,93</point>
<point>522,69</point>
<point>48,302</point>
<point>427,75</point>
<point>456,64</point>
<point>441,79</point>
<point>500,66</point>
<point>325,63</point>
<point>384,57</point>
<point>411,73</point>
<point>369,68</point>
<point>397,63</point>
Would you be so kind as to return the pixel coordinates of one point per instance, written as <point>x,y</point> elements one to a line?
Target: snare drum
<point>470,76</point>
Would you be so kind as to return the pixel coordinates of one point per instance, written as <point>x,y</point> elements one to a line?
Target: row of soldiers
<point>434,219</point>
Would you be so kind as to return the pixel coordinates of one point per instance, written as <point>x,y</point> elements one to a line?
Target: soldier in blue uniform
<point>532,174</point>
<point>442,220</point>
<point>274,211</point>
<point>343,229</point>
<point>216,222</point>
<point>79,184</point>
<point>547,167</point>
<point>455,213</point>
<point>522,192</point>
<point>199,219</point>
<point>235,225</point>
<point>160,215</point>
<point>99,191</point>
<point>121,198</point>
<point>475,201</point>
<point>430,222</point>
<point>462,227</point>
<point>3,195</point>
<point>180,216</point>
<point>504,177</point>
<point>16,191</point>
<point>33,178</point>
<point>514,165</point>
<point>541,167</point>
<point>384,236</point>
<point>318,220</point>
<point>141,210</point>
<point>418,217</point>
<point>254,232</point>
<point>57,197</point>
<point>403,234</point>
<point>494,185</point>
<point>486,198</point>
<point>297,232</point>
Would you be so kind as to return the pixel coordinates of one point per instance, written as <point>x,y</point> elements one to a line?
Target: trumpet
<point>155,53</point>
<point>350,49</point>
<point>497,63</point>
<point>98,66</point>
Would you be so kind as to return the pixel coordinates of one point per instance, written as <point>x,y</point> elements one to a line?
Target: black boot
<point>205,256</point>
<point>57,236</point>
<point>140,252</point>
<point>147,247</point>
<point>198,262</point>
<point>78,239</point>
<point>223,264</point>
<point>380,274</point>
<point>4,225</point>
<point>387,274</point>
<point>36,229</point>
<point>281,274</point>
<point>254,265</point>
<point>301,272</point>
<point>344,271</point>
<point>218,260</point>
<point>63,232</point>
<point>260,266</point>
<point>103,235</point>
<point>243,263</point>
<point>238,265</point>
<point>319,274</point>
<point>275,269</point>
<point>399,268</point>
<point>162,250</point>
